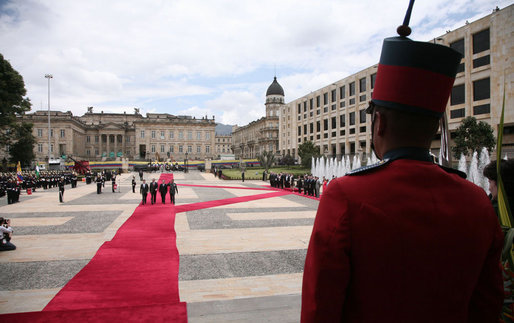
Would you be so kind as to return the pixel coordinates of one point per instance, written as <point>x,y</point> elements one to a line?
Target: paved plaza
<point>238,262</point>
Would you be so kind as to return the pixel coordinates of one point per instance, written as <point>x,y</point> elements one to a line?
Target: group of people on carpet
<point>309,184</point>
<point>152,188</point>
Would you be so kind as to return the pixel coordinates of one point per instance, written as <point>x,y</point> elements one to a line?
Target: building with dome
<point>261,135</point>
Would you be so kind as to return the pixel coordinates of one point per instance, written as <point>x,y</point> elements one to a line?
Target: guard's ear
<point>380,123</point>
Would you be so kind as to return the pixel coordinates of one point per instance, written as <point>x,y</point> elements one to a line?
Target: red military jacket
<point>406,241</point>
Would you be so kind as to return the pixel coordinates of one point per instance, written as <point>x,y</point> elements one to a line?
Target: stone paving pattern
<point>238,262</point>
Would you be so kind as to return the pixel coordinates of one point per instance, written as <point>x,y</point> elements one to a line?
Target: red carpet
<point>134,277</point>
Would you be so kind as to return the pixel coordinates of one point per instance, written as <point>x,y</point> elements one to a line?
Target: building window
<point>153,148</point>
<point>352,89</point>
<point>208,136</point>
<point>334,122</point>
<point>458,113</point>
<point>198,135</point>
<point>318,99</point>
<point>180,149</point>
<point>97,138</point>
<point>198,149</point>
<point>342,132</point>
<point>88,152</point>
<point>325,98</point>
<point>190,135</point>
<point>334,95</point>
<point>299,108</point>
<point>342,120</point>
<point>189,149</point>
<point>318,112</point>
<point>172,134</point>
<point>207,149</point>
<point>318,126</point>
<point>352,118</point>
<point>51,148</point>
<point>481,89</point>
<point>342,104</point>
<point>373,78</point>
<point>362,116</point>
<point>362,98</point>
<point>299,130</point>
<point>460,68</point>
<point>334,107</point>
<point>162,148</point>
<point>352,131</point>
<point>40,148</point>
<point>52,133</point>
<point>352,101</point>
<point>162,134</point>
<point>458,45</point>
<point>172,149</point>
<point>127,138</point>
<point>325,109</point>
<point>481,41</point>
<point>311,127</point>
<point>311,104</point>
<point>180,135</point>
<point>142,133</point>
<point>97,152</point>
<point>362,85</point>
<point>305,106</point>
<point>325,124</point>
<point>342,93</point>
<point>40,132</point>
<point>482,61</point>
<point>153,134</point>
<point>88,139</point>
<point>304,129</point>
<point>457,96</point>
<point>482,109</point>
<point>362,129</point>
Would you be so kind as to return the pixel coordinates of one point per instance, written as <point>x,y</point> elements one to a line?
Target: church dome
<point>275,88</point>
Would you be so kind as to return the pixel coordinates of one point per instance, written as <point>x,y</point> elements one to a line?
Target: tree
<point>287,160</point>
<point>266,159</point>
<point>306,151</point>
<point>23,149</point>
<point>12,100</point>
<point>473,136</point>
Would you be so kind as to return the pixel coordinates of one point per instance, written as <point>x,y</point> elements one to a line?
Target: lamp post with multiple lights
<point>49,76</point>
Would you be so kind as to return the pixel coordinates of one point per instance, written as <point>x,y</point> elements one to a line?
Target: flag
<point>18,172</point>
<point>37,170</point>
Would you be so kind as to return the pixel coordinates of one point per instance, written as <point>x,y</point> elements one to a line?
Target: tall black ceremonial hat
<point>414,76</point>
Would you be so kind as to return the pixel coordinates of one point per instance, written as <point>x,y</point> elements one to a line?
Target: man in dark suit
<point>173,190</point>
<point>163,190</point>
<point>144,191</point>
<point>133,184</point>
<point>153,190</point>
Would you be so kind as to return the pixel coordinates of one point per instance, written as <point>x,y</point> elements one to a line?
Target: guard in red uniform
<point>405,240</point>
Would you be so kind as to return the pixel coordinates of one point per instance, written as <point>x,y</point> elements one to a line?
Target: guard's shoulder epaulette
<point>367,168</point>
<point>454,171</point>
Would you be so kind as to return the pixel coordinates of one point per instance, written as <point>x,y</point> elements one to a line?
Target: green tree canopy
<point>266,159</point>
<point>23,149</point>
<point>306,151</point>
<point>473,136</point>
<point>287,160</point>
<point>12,100</point>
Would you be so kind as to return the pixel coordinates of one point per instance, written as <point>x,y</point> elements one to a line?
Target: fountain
<point>462,164</point>
<point>473,175</point>
<point>484,161</point>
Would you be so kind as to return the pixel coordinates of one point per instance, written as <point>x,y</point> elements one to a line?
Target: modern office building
<point>333,117</point>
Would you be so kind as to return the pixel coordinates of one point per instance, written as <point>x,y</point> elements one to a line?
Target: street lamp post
<point>48,76</point>
<point>185,164</point>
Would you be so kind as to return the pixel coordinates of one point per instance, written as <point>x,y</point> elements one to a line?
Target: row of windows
<point>481,91</point>
<point>481,43</point>
<point>342,94</point>
<point>181,149</point>
<point>333,123</point>
<point>62,133</point>
<point>180,135</point>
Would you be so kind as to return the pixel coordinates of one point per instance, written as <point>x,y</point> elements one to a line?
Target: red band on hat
<point>412,87</point>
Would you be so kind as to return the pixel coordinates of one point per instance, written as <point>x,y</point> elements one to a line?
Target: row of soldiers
<point>309,184</point>
<point>11,184</point>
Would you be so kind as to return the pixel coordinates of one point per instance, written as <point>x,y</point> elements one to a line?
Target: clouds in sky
<point>202,57</point>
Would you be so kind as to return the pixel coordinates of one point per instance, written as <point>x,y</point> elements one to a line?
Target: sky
<point>204,57</point>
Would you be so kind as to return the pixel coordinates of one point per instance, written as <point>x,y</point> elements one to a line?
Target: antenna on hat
<point>404,30</point>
